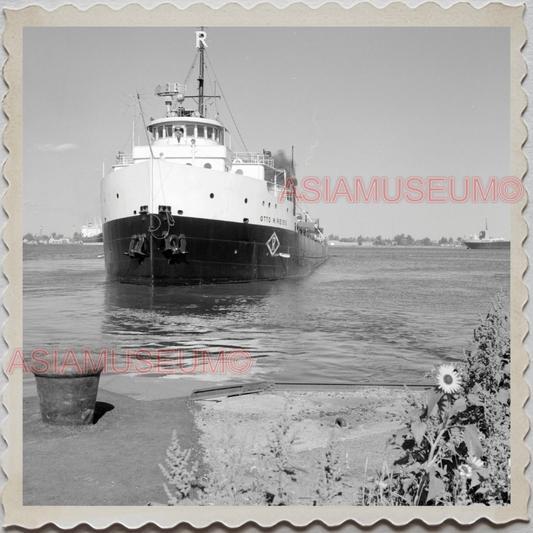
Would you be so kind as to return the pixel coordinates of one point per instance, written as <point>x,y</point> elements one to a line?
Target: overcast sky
<point>352,101</point>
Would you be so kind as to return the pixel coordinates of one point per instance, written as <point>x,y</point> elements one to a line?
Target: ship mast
<point>176,90</point>
<point>200,44</point>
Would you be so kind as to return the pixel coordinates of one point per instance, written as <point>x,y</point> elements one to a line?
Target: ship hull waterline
<point>494,245</point>
<point>97,239</point>
<point>216,252</point>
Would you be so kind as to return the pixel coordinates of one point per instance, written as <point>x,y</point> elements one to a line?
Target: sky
<point>353,102</point>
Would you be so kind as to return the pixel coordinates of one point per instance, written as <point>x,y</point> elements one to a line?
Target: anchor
<point>174,248</point>
<point>137,249</point>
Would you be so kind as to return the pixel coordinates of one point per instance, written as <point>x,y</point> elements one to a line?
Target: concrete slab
<point>150,387</point>
<point>145,387</point>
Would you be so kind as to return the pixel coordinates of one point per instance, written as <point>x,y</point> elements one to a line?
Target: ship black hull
<point>211,252</point>
<point>97,239</point>
<point>488,245</point>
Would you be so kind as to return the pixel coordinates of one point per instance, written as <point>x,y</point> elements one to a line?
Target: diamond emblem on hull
<point>273,244</point>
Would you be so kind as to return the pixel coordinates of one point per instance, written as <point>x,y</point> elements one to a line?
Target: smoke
<point>282,161</point>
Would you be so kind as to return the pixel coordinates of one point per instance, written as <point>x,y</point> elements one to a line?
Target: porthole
<point>180,212</point>
<point>268,204</point>
<point>211,195</point>
<point>117,194</point>
<point>189,164</point>
<point>208,165</point>
<point>239,171</point>
<point>134,212</point>
<point>246,200</point>
<point>276,206</point>
<point>263,202</point>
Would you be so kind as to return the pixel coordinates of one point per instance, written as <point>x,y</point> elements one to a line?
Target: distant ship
<point>185,208</point>
<point>484,242</point>
<point>91,233</point>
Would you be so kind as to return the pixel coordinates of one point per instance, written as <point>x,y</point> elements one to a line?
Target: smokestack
<point>281,161</point>
<point>292,160</point>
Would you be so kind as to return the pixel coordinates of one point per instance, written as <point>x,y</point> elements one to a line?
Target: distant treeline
<point>32,237</point>
<point>398,240</point>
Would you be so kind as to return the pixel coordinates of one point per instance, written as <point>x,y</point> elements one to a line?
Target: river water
<point>368,315</point>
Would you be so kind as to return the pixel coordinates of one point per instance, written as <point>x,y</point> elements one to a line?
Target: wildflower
<point>447,379</point>
<point>465,471</point>
<point>380,484</point>
<point>474,462</point>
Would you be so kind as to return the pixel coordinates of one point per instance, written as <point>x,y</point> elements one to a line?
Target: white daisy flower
<point>474,462</point>
<point>447,379</point>
<point>465,471</point>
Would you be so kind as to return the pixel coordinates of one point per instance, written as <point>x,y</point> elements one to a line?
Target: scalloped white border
<point>100,517</point>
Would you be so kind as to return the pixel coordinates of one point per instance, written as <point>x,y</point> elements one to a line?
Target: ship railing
<point>256,158</point>
<point>124,159</point>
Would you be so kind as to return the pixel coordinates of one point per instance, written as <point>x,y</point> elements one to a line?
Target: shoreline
<point>115,461</point>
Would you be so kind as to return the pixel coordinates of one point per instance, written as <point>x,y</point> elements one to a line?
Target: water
<point>368,315</point>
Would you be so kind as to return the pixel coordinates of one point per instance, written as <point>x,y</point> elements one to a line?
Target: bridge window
<point>168,131</point>
<point>160,132</point>
<point>190,130</point>
<point>200,131</point>
<point>210,132</point>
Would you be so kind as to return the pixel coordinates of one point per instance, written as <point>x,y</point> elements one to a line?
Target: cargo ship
<point>484,242</point>
<point>91,233</point>
<point>185,208</point>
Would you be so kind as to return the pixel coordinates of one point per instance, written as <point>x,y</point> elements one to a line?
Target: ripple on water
<point>367,315</point>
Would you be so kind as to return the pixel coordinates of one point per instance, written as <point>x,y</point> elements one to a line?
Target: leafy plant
<point>487,387</point>
<point>180,472</point>
<point>329,486</point>
<point>233,483</point>
<point>455,446</point>
<point>279,471</point>
<point>235,480</point>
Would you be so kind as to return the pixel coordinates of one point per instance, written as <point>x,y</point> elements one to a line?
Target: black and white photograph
<point>270,266</point>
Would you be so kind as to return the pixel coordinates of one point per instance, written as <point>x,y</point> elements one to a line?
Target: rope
<point>227,105</point>
<point>192,66</point>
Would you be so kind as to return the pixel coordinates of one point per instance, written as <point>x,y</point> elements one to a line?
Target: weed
<point>181,473</point>
<point>329,487</point>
